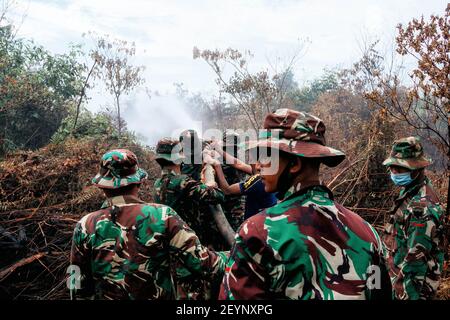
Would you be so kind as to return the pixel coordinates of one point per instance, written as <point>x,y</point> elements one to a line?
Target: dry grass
<point>44,193</point>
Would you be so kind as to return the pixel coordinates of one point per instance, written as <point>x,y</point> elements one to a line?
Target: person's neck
<point>133,193</point>
<point>418,180</point>
<point>300,183</point>
<point>307,179</point>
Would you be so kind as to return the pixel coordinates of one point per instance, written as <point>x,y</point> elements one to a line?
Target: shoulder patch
<point>251,181</point>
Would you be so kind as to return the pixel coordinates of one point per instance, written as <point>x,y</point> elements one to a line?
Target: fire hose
<point>221,220</point>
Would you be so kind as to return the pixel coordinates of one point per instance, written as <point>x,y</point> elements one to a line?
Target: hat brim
<point>170,157</point>
<point>111,182</point>
<point>412,164</point>
<point>328,156</point>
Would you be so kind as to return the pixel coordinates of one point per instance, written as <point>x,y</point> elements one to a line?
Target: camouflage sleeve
<point>384,290</point>
<point>157,191</point>
<point>81,281</point>
<point>187,249</point>
<point>246,274</point>
<point>415,280</point>
<point>202,193</point>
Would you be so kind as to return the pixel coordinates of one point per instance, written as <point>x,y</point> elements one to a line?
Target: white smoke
<point>157,116</point>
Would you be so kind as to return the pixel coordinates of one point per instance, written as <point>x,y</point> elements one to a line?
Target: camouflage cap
<point>119,168</point>
<point>230,138</point>
<point>297,133</point>
<point>169,149</point>
<point>408,153</point>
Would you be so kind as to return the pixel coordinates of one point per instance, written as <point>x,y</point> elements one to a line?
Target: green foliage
<point>89,125</point>
<point>36,88</point>
<point>305,97</point>
<point>286,83</point>
<point>92,126</point>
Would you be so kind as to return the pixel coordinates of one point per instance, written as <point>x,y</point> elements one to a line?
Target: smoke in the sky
<point>157,116</point>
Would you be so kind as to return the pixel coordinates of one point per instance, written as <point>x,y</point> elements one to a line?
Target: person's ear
<point>295,165</point>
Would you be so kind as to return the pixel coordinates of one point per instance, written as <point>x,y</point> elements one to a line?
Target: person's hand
<point>208,158</point>
<point>216,145</point>
<point>217,157</point>
<point>208,180</point>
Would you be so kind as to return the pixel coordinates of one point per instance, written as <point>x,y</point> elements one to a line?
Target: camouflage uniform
<point>234,205</point>
<point>189,198</point>
<point>414,234</point>
<point>192,170</point>
<point>126,251</point>
<point>307,246</point>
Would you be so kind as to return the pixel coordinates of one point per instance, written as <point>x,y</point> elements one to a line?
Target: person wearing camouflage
<point>307,246</point>
<point>184,194</point>
<point>234,205</point>
<point>189,198</point>
<point>414,235</point>
<point>126,251</point>
<point>192,149</point>
<point>252,188</point>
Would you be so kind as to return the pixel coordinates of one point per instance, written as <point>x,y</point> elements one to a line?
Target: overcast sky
<point>166,31</point>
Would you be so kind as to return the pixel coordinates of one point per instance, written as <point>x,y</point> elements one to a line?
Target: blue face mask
<point>401,179</point>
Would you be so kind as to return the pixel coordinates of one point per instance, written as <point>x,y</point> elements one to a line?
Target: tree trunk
<point>222,223</point>
<point>448,167</point>
<point>82,95</point>
<point>221,220</point>
<point>118,118</point>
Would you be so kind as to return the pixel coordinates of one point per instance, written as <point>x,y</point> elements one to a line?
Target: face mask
<point>401,179</point>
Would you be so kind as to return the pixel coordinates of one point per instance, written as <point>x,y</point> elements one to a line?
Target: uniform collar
<point>302,187</point>
<point>168,171</point>
<point>413,187</point>
<point>123,200</point>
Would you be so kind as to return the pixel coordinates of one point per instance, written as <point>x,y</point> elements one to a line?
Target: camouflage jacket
<point>234,205</point>
<point>305,247</point>
<point>414,239</point>
<point>192,170</point>
<point>190,199</point>
<point>127,253</point>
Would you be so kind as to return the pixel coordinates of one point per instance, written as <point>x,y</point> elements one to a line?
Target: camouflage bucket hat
<point>170,150</point>
<point>408,153</point>
<point>297,133</point>
<point>119,168</point>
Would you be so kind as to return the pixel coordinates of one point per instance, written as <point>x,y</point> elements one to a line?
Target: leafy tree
<point>428,42</point>
<point>305,97</point>
<point>120,76</point>
<point>424,106</point>
<point>255,94</point>
<point>94,126</point>
<point>35,90</point>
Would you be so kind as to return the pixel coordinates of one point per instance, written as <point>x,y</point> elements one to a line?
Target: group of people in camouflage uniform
<point>304,245</point>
